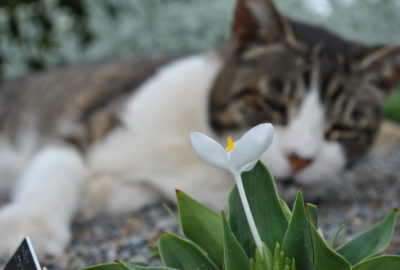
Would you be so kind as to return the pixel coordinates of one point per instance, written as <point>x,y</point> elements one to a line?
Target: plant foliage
<point>291,239</point>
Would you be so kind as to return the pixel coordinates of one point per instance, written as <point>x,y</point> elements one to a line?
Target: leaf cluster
<point>291,237</point>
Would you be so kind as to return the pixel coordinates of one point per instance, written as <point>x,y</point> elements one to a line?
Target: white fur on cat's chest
<point>152,147</point>
<point>162,112</point>
<point>176,99</point>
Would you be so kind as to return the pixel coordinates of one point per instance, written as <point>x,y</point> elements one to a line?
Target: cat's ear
<point>382,64</point>
<point>260,20</point>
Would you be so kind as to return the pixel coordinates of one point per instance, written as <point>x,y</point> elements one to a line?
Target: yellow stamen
<point>231,145</point>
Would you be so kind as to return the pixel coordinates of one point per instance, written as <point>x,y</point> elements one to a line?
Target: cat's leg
<point>11,163</point>
<point>107,193</point>
<point>205,184</point>
<point>44,201</point>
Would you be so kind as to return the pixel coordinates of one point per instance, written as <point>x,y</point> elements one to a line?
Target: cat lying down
<point>114,136</point>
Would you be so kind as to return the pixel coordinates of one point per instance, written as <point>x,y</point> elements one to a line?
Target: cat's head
<point>322,93</point>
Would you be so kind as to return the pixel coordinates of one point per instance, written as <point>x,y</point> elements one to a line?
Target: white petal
<point>210,151</point>
<point>251,146</point>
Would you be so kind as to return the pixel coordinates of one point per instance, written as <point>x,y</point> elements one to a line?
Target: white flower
<point>238,157</point>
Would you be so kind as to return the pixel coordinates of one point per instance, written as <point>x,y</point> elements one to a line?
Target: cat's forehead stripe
<point>258,51</point>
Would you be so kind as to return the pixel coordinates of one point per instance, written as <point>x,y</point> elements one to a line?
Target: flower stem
<point>247,211</point>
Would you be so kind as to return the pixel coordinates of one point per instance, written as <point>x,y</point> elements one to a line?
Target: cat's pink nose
<point>298,163</point>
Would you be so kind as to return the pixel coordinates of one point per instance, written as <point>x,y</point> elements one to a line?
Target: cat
<point>114,136</point>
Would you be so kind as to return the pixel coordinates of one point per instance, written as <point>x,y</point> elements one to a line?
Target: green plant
<point>291,239</point>
<point>259,231</point>
<point>391,108</point>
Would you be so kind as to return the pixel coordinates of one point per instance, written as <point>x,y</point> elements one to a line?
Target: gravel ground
<point>128,237</point>
<point>359,198</point>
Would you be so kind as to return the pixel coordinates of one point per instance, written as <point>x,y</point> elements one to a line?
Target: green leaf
<point>391,108</point>
<point>239,225</point>
<point>297,243</point>
<point>278,261</point>
<point>141,266</point>
<point>171,212</point>
<point>265,206</point>
<point>182,254</point>
<point>325,258</point>
<point>370,242</point>
<point>335,236</point>
<point>380,263</point>
<point>265,262</point>
<point>286,209</point>
<point>131,264</point>
<point>234,256</point>
<point>312,213</point>
<point>201,225</point>
<point>106,266</point>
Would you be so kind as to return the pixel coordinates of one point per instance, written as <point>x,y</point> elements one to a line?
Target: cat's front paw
<point>48,236</point>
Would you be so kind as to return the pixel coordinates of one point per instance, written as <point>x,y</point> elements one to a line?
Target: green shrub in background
<point>291,238</point>
<point>44,33</point>
<point>392,107</point>
<point>41,34</point>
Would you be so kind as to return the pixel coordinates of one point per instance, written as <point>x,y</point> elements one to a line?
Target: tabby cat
<point>113,136</point>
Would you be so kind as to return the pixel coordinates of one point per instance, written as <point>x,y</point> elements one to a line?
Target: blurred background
<point>37,35</point>
<point>43,34</point>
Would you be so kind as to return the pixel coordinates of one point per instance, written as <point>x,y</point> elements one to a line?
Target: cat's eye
<point>357,114</point>
<point>307,77</point>
<point>276,86</point>
<point>244,92</point>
